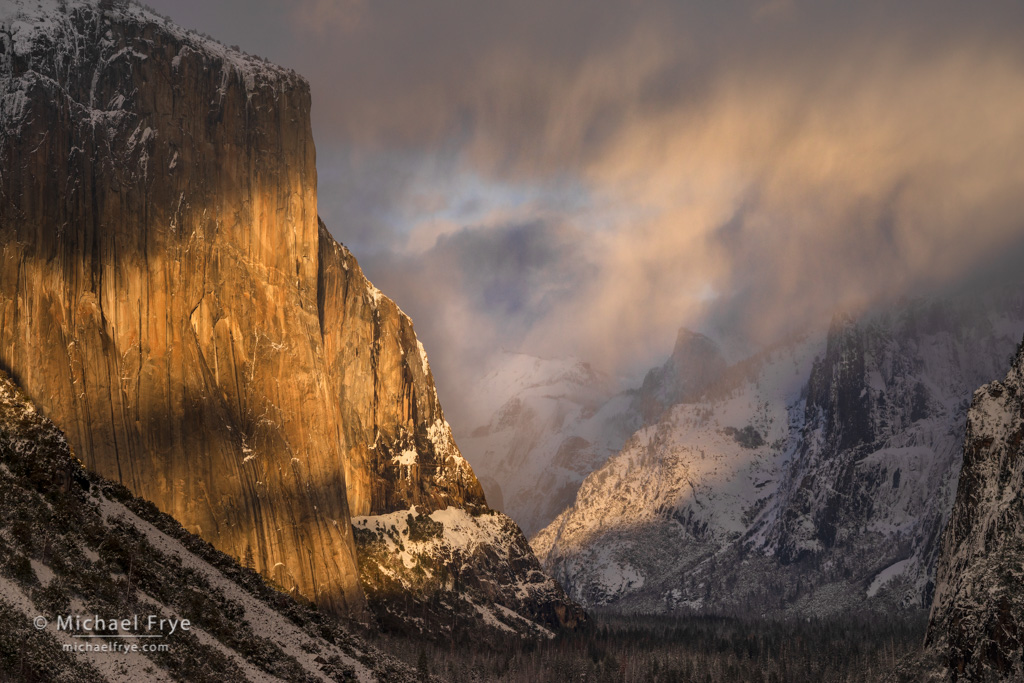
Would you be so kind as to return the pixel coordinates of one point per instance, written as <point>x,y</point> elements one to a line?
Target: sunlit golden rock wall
<point>158,293</point>
<point>400,448</point>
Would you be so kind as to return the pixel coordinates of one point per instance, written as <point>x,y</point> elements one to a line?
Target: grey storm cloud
<point>742,165</point>
<point>491,284</point>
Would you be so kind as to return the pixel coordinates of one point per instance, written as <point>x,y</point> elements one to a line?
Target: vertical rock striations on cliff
<point>977,619</point>
<point>400,448</point>
<point>158,292</point>
<point>170,299</point>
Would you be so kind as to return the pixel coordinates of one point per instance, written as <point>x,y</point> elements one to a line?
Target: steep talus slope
<point>814,477</point>
<point>169,298</point>
<point>977,619</point>
<point>73,543</point>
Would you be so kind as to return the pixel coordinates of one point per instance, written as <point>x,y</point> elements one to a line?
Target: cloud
<point>585,177</point>
<point>328,18</point>
<point>492,284</point>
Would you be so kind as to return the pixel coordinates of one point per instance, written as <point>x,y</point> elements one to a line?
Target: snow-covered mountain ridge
<point>551,422</point>
<point>816,476</point>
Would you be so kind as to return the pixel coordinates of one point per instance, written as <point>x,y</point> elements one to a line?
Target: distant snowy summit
<point>546,424</point>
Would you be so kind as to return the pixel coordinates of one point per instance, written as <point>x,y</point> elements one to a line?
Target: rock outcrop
<point>399,448</point>
<point>169,298</point>
<point>977,619</point>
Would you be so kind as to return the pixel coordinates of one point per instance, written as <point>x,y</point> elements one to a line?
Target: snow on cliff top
<point>28,20</point>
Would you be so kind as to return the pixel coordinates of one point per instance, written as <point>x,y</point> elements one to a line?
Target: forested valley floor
<point>704,649</point>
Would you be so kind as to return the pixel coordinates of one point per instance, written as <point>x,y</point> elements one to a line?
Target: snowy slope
<point>453,573</point>
<point>815,477</point>
<point>551,422</point>
<point>684,487</point>
<point>72,543</point>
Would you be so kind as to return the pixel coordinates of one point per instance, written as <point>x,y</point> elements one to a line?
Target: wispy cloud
<point>585,177</point>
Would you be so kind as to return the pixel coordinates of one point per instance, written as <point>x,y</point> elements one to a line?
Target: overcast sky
<point>582,178</point>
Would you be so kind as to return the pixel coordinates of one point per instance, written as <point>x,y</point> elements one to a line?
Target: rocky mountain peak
<point>837,387</point>
<point>695,364</point>
<point>814,477</point>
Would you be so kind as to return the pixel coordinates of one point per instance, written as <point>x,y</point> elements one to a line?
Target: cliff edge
<point>977,619</point>
<point>170,299</point>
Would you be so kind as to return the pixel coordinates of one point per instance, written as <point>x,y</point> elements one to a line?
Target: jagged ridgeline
<point>169,298</point>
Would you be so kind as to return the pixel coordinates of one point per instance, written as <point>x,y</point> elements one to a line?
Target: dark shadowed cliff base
<point>74,543</point>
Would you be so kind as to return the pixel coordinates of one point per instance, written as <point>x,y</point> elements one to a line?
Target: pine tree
<point>423,666</point>
<point>249,562</point>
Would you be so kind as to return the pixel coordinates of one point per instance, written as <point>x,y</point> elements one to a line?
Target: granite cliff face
<point>977,619</point>
<point>170,300</point>
<point>159,281</point>
<point>399,449</point>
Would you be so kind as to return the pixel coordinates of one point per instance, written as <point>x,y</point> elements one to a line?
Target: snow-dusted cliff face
<point>170,300</point>
<point>159,250</point>
<point>815,476</point>
<point>977,619</point>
